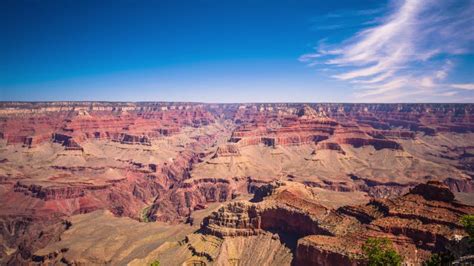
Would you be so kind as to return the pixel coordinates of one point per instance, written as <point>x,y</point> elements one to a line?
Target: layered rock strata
<point>424,221</point>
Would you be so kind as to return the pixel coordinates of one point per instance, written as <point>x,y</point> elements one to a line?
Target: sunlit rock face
<point>303,178</point>
<point>417,223</point>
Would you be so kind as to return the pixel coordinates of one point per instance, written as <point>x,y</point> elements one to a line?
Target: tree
<point>445,258</point>
<point>468,222</point>
<point>155,263</point>
<point>380,252</point>
<point>439,259</point>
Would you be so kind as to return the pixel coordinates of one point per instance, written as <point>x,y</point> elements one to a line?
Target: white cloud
<point>376,79</point>
<point>464,86</point>
<point>448,93</point>
<point>427,82</point>
<point>407,51</point>
<point>308,57</point>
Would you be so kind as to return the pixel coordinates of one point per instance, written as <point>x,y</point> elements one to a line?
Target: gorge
<point>231,184</point>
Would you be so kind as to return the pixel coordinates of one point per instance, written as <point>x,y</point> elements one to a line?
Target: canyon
<point>231,184</point>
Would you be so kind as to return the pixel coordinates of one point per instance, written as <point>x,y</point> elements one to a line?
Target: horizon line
<point>208,103</point>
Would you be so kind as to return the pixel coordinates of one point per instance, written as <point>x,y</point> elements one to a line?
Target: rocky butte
<point>120,183</point>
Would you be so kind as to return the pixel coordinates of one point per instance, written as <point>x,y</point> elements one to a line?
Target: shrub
<point>144,214</point>
<point>380,251</point>
<point>155,263</point>
<point>468,222</point>
<point>439,259</point>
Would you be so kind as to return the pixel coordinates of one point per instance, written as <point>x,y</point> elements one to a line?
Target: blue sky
<point>237,51</point>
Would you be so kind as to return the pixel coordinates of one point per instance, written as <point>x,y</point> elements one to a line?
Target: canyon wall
<point>159,161</point>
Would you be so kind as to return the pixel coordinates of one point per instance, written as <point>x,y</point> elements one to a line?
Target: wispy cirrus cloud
<point>409,52</point>
<point>344,19</point>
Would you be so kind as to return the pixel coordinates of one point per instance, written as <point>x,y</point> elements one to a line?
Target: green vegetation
<point>155,263</point>
<point>380,251</point>
<point>468,222</point>
<point>144,214</point>
<point>438,259</point>
<point>447,258</point>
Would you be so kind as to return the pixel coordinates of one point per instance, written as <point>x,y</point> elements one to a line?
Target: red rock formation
<point>185,196</point>
<point>175,194</point>
<point>326,250</point>
<point>423,221</point>
<point>433,191</point>
<point>28,233</point>
<point>126,193</point>
<point>67,141</point>
<point>344,122</point>
<point>133,139</point>
<point>313,128</point>
<point>227,150</point>
<point>31,124</point>
<point>328,145</point>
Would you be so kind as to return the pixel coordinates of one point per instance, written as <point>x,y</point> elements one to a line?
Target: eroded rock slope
<point>164,162</point>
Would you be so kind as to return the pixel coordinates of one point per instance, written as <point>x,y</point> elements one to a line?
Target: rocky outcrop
<point>227,150</point>
<point>433,190</point>
<point>49,193</point>
<point>378,144</point>
<point>59,192</point>
<point>279,207</point>
<point>133,139</point>
<point>67,141</point>
<point>460,185</point>
<point>190,195</point>
<point>234,219</point>
<point>424,221</point>
<point>326,250</point>
<point>23,234</point>
<point>327,145</point>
